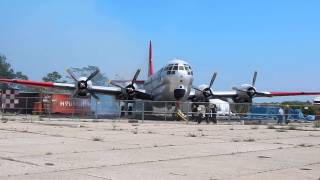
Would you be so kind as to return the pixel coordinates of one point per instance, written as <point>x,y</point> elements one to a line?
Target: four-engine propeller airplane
<point>173,82</point>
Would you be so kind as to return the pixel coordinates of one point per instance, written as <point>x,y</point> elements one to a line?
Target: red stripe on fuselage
<point>294,93</point>
<point>28,82</point>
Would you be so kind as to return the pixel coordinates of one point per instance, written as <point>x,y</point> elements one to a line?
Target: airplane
<point>173,82</point>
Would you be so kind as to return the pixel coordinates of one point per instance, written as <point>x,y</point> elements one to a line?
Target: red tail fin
<point>151,68</point>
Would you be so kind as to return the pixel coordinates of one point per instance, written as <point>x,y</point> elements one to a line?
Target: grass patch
<point>292,128</point>
<point>97,139</point>
<point>49,164</point>
<point>264,157</point>
<point>281,130</point>
<point>302,145</point>
<point>236,140</point>
<point>191,135</point>
<point>306,169</point>
<point>135,131</point>
<point>249,140</point>
<point>271,127</point>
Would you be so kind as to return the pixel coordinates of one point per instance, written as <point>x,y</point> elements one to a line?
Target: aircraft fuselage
<point>171,83</point>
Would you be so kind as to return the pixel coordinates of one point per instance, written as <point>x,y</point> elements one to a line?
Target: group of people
<point>209,113</point>
<point>205,112</point>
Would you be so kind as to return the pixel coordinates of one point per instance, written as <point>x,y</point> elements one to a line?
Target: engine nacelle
<point>245,93</point>
<point>83,87</point>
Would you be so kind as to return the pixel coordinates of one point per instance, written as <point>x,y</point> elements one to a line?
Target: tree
<point>5,68</point>
<point>19,75</point>
<point>53,77</point>
<point>7,72</point>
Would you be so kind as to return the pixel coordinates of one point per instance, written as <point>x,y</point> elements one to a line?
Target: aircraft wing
<point>65,86</point>
<point>106,90</point>
<point>140,94</point>
<point>231,94</point>
<point>298,93</point>
<point>224,94</point>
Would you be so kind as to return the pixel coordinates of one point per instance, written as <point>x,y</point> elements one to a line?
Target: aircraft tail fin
<point>150,66</point>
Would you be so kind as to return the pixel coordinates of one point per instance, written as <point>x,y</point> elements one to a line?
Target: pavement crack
<point>15,160</point>
<point>279,169</point>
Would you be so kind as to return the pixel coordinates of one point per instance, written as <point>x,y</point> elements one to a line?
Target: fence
<point>154,110</point>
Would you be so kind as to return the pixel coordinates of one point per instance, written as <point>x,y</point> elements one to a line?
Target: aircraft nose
<point>179,92</point>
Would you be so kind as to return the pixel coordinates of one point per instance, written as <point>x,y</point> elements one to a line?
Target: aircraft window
<point>175,67</point>
<point>181,68</point>
<point>187,68</point>
<point>173,72</point>
<point>191,72</point>
<point>168,72</point>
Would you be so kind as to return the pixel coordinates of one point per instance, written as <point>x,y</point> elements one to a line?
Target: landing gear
<point>179,115</point>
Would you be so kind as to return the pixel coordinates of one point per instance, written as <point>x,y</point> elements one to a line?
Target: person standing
<point>280,116</point>
<point>286,114</point>
<point>214,111</point>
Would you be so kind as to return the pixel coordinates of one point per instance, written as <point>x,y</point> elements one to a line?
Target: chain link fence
<point>63,107</point>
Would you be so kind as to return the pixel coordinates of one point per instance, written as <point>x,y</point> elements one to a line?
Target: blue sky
<point>280,39</point>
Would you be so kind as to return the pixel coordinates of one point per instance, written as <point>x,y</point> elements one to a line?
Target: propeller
<point>130,90</point>
<point>207,91</point>
<point>82,84</point>
<point>73,76</point>
<point>254,78</point>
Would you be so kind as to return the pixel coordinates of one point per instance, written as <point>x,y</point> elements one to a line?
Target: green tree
<point>19,75</point>
<point>5,68</point>
<point>53,77</point>
<point>7,72</point>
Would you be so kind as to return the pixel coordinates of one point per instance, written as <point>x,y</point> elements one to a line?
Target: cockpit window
<point>175,67</point>
<point>188,69</point>
<point>181,68</point>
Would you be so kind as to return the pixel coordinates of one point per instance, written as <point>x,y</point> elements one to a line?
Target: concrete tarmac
<point>116,150</point>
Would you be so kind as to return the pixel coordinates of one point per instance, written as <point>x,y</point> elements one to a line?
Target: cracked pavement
<point>156,150</point>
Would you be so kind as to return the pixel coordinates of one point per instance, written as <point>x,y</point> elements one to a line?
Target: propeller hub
<point>251,91</point>
<point>207,92</point>
<point>82,84</point>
